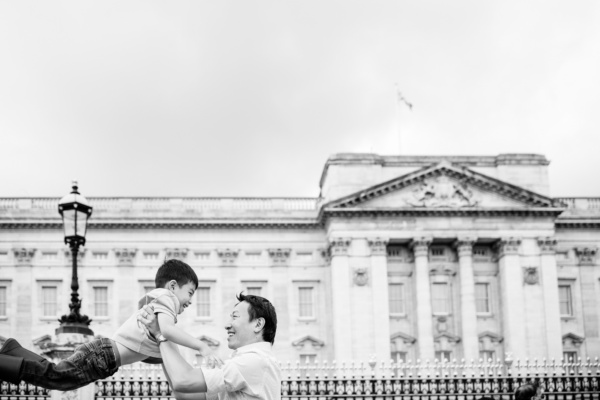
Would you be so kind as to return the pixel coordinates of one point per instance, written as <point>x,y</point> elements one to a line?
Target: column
<point>549,277</point>
<point>420,248</point>
<point>126,287</point>
<point>24,285</point>
<point>340,293</point>
<point>587,278</point>
<point>281,300</point>
<point>381,312</point>
<point>468,312</point>
<point>511,294</point>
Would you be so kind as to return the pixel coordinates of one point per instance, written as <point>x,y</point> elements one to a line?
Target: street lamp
<point>75,211</point>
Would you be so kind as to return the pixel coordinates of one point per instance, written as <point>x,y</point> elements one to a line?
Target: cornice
<point>577,223</point>
<point>128,224</point>
<point>423,211</point>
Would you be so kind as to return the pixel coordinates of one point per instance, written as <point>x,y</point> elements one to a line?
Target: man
<point>251,373</point>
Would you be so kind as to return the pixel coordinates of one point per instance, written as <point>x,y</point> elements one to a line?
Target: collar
<point>253,348</point>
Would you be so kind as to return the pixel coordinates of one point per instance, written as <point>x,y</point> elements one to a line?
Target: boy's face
<point>183,293</point>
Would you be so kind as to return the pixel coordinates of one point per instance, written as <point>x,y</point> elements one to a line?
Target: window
<point>398,356</point>
<point>254,290</point>
<point>148,289</point>
<point>396,298</point>
<point>49,301</point>
<point>100,301</point>
<point>49,256</point>
<point>479,251</point>
<point>482,298</point>
<point>3,301</point>
<point>565,300</point>
<point>3,256</point>
<point>487,355</point>
<point>440,298</point>
<point>437,251</point>
<point>99,255</point>
<point>304,256</point>
<point>150,256</point>
<point>253,255</point>
<point>203,301</point>
<point>570,356</point>
<point>443,355</point>
<point>307,359</point>
<point>306,302</point>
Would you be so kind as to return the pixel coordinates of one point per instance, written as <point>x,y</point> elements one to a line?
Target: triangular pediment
<point>444,187</point>
<point>310,340</point>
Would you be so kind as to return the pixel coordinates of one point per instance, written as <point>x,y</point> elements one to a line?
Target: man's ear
<point>259,325</point>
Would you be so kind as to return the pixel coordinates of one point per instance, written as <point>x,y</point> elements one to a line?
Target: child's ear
<point>172,285</point>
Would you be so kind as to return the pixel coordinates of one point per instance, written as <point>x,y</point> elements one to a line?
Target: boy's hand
<point>211,360</point>
<point>146,317</point>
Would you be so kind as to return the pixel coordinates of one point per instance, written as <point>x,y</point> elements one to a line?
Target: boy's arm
<point>176,335</point>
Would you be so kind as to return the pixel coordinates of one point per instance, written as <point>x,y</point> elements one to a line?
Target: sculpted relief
<point>441,192</point>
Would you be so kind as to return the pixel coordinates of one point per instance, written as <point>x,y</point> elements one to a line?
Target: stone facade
<point>401,256</point>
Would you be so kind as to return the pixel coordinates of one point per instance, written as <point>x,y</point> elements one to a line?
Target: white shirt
<point>251,373</point>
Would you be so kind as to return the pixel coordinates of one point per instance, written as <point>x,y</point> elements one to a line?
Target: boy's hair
<point>526,391</point>
<point>175,270</point>
<point>259,307</point>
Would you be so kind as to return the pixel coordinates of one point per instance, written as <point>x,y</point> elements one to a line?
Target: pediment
<point>448,337</point>
<point>491,336</point>
<point>310,340</point>
<point>404,337</point>
<point>444,187</point>
<point>572,340</point>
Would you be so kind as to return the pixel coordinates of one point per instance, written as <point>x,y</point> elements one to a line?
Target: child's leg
<point>90,362</point>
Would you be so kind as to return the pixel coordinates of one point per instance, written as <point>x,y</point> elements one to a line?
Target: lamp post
<point>75,211</point>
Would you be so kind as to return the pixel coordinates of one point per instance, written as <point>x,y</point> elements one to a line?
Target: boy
<point>175,282</point>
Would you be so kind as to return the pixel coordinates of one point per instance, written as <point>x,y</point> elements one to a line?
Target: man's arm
<point>184,378</point>
<point>183,396</point>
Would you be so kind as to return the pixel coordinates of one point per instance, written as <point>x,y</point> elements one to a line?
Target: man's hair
<point>259,307</point>
<point>175,270</point>
<point>526,391</point>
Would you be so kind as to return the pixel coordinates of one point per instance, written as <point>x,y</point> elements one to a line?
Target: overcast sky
<point>250,98</point>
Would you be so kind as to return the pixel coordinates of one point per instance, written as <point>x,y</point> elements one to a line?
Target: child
<point>175,281</point>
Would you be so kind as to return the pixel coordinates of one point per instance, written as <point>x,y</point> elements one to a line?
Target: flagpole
<point>399,100</point>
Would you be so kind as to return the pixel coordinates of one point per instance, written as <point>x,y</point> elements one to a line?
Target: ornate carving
<point>325,254</point>
<point>179,254</point>
<point>442,325</point>
<point>442,192</point>
<point>80,255</point>
<point>279,256</point>
<point>507,246</point>
<point>531,275</point>
<point>378,246</point>
<point>420,246</point>
<point>442,269</point>
<point>23,256</point>
<point>125,256</point>
<point>361,276</point>
<point>314,342</point>
<point>464,246</point>
<point>228,256</point>
<point>339,246</point>
<point>586,255</point>
<point>547,245</point>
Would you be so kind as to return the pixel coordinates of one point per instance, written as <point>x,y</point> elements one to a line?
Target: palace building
<point>400,257</point>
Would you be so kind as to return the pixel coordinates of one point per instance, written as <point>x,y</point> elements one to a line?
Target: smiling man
<point>251,373</point>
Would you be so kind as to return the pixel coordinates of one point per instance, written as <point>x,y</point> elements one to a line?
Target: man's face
<point>240,330</point>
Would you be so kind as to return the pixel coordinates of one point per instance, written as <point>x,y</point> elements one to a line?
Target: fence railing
<point>372,381</point>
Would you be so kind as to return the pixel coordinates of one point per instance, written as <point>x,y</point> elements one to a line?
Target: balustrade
<point>373,380</point>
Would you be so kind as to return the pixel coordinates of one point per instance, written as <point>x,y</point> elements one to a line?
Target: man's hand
<point>146,317</point>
